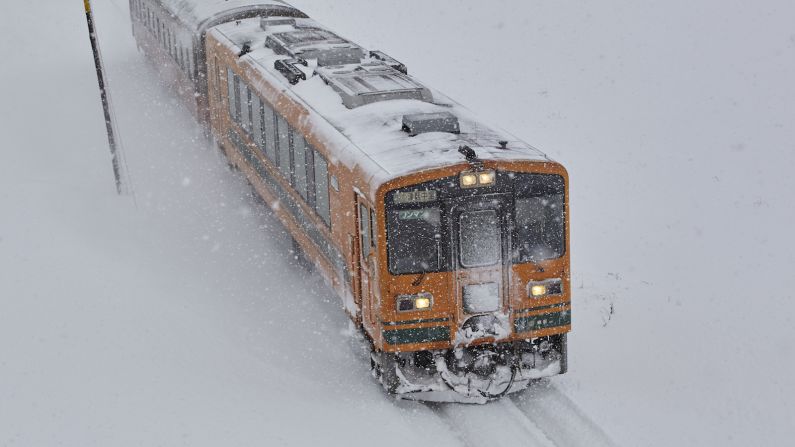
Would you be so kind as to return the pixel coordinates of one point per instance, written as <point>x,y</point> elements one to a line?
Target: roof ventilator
<point>383,57</point>
<point>289,68</point>
<point>368,83</point>
<point>269,23</point>
<point>418,123</point>
<point>315,43</point>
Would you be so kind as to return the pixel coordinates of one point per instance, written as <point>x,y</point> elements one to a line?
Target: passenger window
<point>218,85</point>
<point>230,81</point>
<point>246,108</point>
<point>236,87</point>
<point>284,147</point>
<point>269,132</point>
<point>321,188</point>
<point>256,121</point>
<point>364,230</point>
<point>299,163</point>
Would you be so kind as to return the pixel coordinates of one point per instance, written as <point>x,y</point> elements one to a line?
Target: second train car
<point>446,239</point>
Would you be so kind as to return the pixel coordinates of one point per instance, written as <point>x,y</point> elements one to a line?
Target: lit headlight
<point>468,179</point>
<point>486,178</point>
<point>538,290</point>
<point>549,287</point>
<point>420,301</point>
<point>471,179</point>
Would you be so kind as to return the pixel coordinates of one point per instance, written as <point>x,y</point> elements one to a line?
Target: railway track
<point>541,416</point>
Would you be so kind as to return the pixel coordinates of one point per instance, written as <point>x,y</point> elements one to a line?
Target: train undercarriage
<point>470,374</point>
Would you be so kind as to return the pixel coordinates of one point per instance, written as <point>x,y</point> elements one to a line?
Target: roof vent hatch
<point>418,123</point>
<point>269,23</point>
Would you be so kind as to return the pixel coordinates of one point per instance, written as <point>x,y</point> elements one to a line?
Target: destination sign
<point>414,214</point>
<point>428,195</point>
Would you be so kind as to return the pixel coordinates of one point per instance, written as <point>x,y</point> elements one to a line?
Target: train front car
<point>445,238</point>
<point>475,289</point>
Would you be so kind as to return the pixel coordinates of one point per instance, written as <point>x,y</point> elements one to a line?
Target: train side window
<point>218,72</point>
<point>230,83</point>
<point>269,132</point>
<point>321,188</point>
<point>299,163</point>
<point>246,95</point>
<point>372,227</point>
<point>284,147</point>
<point>190,69</point>
<point>256,120</point>
<point>364,229</point>
<point>236,88</point>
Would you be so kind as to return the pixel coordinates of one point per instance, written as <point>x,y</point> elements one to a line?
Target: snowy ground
<point>177,317</point>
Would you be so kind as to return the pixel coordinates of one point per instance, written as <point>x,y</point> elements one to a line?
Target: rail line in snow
<point>541,416</point>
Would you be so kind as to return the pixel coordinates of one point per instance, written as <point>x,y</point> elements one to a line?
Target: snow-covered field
<point>177,317</point>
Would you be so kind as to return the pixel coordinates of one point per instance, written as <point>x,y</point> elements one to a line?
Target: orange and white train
<point>447,240</point>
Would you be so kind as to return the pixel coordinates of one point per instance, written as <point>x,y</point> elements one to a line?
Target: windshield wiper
<point>419,279</point>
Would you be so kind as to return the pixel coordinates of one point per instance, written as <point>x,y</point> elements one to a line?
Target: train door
<point>365,249</point>
<point>480,240</point>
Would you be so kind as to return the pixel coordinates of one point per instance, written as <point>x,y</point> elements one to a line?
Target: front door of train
<point>480,241</point>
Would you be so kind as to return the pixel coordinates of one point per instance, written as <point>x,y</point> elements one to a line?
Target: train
<point>446,239</point>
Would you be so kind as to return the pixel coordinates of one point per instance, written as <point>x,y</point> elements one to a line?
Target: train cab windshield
<point>426,232</point>
<point>415,242</point>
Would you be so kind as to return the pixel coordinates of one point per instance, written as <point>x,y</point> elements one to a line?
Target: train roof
<point>382,143</point>
<point>196,12</point>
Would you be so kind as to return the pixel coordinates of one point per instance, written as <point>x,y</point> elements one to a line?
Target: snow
<point>374,131</point>
<point>196,12</point>
<point>176,317</point>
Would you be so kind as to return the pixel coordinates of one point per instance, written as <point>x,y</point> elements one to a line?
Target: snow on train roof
<point>195,12</point>
<point>375,129</point>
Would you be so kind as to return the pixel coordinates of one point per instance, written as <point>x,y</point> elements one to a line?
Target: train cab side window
<point>299,163</point>
<point>283,131</point>
<point>269,132</point>
<point>321,188</point>
<point>364,230</point>
<point>372,227</point>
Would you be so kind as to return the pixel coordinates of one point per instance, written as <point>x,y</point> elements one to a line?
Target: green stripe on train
<point>417,335</point>
<point>543,321</point>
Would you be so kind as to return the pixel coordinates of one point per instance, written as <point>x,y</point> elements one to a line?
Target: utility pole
<point>121,188</point>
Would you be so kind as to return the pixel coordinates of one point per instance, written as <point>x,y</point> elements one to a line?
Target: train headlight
<point>549,287</point>
<point>471,179</point>
<point>420,301</point>
<point>486,178</point>
<point>538,290</point>
<point>468,180</point>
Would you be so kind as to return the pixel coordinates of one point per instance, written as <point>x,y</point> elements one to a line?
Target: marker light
<point>538,290</point>
<point>468,180</point>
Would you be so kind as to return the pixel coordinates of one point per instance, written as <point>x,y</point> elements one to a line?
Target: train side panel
<point>331,247</point>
